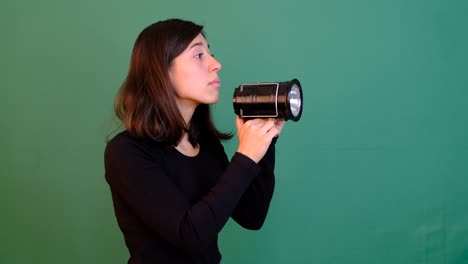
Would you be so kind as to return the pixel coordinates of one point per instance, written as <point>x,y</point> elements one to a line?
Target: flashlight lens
<point>295,100</point>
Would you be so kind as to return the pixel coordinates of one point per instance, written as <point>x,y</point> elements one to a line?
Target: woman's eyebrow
<point>197,44</point>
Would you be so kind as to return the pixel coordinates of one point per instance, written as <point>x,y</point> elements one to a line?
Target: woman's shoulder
<point>122,140</point>
<point>124,143</point>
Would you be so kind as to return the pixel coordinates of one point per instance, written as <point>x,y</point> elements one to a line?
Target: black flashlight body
<point>269,100</point>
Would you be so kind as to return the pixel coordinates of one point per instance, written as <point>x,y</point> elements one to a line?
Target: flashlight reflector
<point>295,101</point>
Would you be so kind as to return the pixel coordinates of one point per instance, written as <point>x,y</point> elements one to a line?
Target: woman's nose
<point>215,65</point>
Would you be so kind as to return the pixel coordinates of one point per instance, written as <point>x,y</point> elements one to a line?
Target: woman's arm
<point>254,204</point>
<point>252,209</point>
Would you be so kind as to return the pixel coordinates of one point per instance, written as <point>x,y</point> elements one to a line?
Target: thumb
<point>239,122</point>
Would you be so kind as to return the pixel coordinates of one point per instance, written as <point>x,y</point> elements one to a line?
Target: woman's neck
<point>186,148</point>
<point>186,110</point>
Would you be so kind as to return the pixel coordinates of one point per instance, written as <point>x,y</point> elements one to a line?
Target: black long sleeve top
<point>171,207</point>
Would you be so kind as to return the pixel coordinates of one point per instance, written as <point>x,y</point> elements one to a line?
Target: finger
<point>252,124</point>
<point>239,122</point>
<point>267,125</point>
<point>280,122</point>
<point>273,132</point>
<point>256,121</point>
<point>279,129</point>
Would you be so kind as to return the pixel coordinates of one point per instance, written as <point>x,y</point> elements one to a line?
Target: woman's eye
<point>199,55</point>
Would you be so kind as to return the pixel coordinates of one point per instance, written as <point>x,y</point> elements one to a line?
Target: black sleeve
<point>252,209</point>
<point>137,176</point>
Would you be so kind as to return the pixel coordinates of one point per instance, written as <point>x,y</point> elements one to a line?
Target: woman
<point>173,187</point>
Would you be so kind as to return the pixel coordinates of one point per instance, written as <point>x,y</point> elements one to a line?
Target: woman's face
<point>194,75</point>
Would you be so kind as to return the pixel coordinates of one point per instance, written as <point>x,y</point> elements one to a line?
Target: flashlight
<point>269,100</point>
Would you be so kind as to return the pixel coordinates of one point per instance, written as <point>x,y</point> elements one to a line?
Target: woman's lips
<point>215,82</point>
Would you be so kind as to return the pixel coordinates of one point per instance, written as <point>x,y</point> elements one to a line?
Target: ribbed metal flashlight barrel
<point>256,100</point>
<point>269,100</point>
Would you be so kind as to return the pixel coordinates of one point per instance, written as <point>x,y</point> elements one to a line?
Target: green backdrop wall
<point>376,171</point>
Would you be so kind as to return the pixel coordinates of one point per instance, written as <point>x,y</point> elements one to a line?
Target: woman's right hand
<point>255,136</point>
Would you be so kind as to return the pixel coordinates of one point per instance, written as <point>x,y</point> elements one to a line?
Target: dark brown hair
<point>146,101</point>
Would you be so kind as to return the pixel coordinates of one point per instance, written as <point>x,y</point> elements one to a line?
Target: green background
<point>376,171</point>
